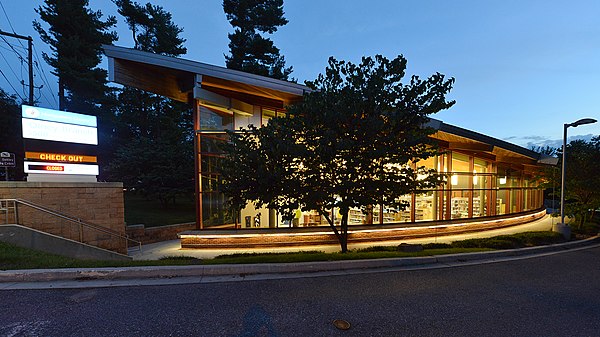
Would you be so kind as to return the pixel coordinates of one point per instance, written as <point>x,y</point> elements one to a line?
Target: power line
<point>10,24</point>
<point>16,92</point>
<point>11,46</point>
<point>43,74</point>
<point>8,49</point>
<point>9,67</point>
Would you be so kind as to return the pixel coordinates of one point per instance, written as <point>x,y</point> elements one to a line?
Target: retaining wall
<point>159,233</point>
<point>100,204</point>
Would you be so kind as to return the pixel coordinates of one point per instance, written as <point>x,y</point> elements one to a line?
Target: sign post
<point>7,160</point>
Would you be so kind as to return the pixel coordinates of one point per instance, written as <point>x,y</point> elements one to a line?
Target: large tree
<point>10,133</point>
<point>156,152</point>
<point>355,141</point>
<point>75,36</point>
<point>249,50</point>
<point>582,183</point>
<point>582,180</point>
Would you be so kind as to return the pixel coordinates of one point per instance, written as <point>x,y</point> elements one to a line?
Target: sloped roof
<point>177,78</point>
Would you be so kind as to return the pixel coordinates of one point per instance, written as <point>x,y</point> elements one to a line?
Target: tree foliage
<point>75,36</point>
<point>152,28</point>
<point>10,133</point>
<point>582,180</point>
<point>249,50</point>
<point>156,152</point>
<point>582,183</point>
<point>348,144</point>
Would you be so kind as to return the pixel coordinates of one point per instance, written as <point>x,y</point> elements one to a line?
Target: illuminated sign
<point>60,126</point>
<point>46,167</point>
<point>7,159</point>
<point>59,142</point>
<point>54,168</point>
<point>60,132</point>
<point>60,157</point>
<point>64,117</point>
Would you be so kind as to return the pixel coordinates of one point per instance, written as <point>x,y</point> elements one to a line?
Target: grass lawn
<point>140,210</point>
<point>12,257</point>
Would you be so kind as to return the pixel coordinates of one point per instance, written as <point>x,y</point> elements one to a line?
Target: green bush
<point>588,228</point>
<point>190,259</point>
<point>377,249</point>
<point>436,245</point>
<point>518,240</point>
<point>495,243</point>
<point>539,238</point>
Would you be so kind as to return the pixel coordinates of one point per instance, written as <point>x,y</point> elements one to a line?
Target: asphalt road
<point>557,295</point>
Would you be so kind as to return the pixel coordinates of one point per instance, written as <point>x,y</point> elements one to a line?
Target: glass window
<point>429,163</point>
<point>480,169</point>
<point>214,212</point>
<point>395,214</point>
<point>425,206</point>
<point>356,216</point>
<point>502,198</point>
<point>479,203</point>
<point>267,114</point>
<point>460,162</point>
<point>211,143</point>
<point>215,119</point>
<point>459,204</point>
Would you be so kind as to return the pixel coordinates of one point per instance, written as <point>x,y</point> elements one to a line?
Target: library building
<point>490,182</point>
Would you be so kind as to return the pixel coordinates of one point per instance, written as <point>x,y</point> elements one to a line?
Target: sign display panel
<point>60,168</point>
<point>60,157</point>
<point>7,159</point>
<point>60,126</point>
<point>59,142</point>
<point>60,132</point>
<point>64,117</point>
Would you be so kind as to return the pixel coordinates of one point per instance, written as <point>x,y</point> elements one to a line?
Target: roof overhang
<point>186,80</point>
<point>219,87</point>
<point>505,153</point>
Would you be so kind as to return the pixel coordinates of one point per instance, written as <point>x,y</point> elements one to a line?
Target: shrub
<point>518,240</point>
<point>376,249</point>
<point>539,238</point>
<point>436,245</point>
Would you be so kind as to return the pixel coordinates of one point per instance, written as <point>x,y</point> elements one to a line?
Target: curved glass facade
<point>476,185</point>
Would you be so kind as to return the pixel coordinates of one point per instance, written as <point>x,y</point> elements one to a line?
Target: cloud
<point>540,141</point>
<point>536,138</point>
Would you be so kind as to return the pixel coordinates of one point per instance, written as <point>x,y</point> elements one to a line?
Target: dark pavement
<point>556,295</point>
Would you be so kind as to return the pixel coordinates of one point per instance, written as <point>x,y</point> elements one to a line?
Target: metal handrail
<point>69,218</point>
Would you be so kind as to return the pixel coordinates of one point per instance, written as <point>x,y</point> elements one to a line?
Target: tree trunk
<point>343,238</point>
<point>342,234</point>
<point>61,95</point>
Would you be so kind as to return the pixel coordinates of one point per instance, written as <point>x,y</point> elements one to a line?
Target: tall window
<point>461,186</point>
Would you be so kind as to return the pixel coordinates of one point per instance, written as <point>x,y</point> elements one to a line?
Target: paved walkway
<point>155,251</point>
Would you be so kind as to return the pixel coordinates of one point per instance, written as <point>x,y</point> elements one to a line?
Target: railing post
<point>16,207</point>
<point>4,207</point>
<point>80,230</point>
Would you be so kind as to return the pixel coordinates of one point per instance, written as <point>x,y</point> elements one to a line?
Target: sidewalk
<point>170,275</point>
<point>155,251</point>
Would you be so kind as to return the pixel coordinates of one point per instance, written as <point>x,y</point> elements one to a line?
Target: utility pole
<point>29,59</point>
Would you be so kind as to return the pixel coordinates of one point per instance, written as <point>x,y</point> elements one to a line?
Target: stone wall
<point>324,236</point>
<point>159,233</point>
<point>100,204</point>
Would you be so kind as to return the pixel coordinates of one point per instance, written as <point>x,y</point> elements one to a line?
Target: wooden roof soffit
<point>515,160</point>
<point>471,146</point>
<point>176,85</point>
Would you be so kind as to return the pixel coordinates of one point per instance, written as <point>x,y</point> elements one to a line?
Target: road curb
<point>124,273</point>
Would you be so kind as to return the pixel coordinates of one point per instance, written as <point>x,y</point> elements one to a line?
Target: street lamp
<point>561,227</point>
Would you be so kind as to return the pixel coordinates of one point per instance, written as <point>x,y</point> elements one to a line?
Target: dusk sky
<point>522,68</point>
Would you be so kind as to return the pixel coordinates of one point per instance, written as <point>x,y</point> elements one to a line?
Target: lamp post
<point>562,227</point>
